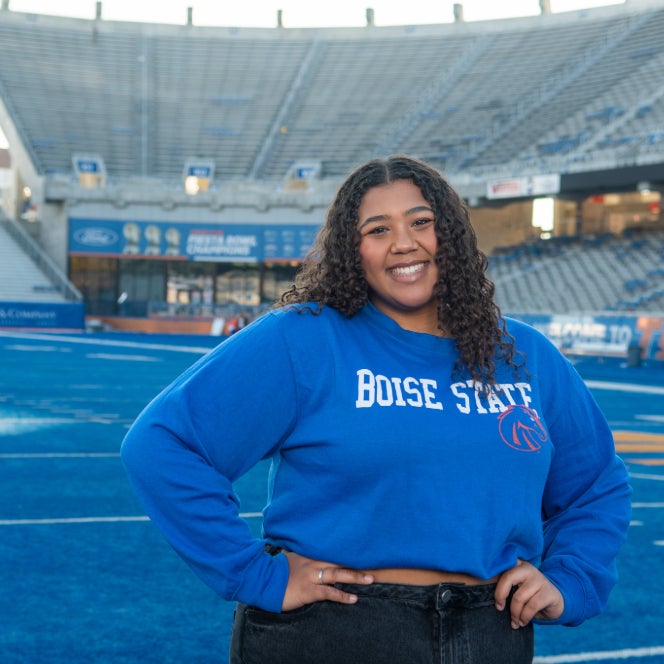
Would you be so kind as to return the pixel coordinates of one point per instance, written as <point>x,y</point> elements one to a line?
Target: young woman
<point>441,476</point>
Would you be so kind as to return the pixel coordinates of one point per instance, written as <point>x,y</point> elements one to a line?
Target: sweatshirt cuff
<point>571,588</point>
<point>264,586</point>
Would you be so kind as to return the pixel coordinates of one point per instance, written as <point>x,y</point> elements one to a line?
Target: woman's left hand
<point>535,597</point>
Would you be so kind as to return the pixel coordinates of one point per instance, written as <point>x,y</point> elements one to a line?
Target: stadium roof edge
<point>373,31</point>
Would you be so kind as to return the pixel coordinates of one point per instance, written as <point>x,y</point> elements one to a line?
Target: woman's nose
<point>404,240</point>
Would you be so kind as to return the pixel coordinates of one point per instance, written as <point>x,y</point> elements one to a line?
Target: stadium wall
<point>502,226</point>
<point>632,337</point>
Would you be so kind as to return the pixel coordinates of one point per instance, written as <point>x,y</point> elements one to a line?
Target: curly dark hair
<point>332,275</point>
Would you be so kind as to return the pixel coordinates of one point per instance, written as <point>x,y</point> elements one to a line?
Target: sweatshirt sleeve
<point>586,504</point>
<point>228,411</point>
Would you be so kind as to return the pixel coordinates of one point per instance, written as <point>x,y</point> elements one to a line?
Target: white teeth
<point>410,269</point>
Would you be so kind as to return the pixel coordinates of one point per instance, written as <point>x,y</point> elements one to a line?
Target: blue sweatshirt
<point>380,459</point>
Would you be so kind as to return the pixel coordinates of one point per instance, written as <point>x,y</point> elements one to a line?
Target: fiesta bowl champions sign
<point>216,243</point>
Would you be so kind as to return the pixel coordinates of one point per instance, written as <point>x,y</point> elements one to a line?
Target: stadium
<point>169,179</point>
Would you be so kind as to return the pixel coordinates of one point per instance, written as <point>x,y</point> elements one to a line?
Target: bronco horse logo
<point>520,428</point>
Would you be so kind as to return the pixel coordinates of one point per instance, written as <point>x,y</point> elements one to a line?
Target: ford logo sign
<point>96,237</point>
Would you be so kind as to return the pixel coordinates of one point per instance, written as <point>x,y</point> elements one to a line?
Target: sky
<point>297,13</point>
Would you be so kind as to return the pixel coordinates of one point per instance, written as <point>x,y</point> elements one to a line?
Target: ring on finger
<point>320,576</point>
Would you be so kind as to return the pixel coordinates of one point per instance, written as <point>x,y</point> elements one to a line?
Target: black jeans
<point>390,624</point>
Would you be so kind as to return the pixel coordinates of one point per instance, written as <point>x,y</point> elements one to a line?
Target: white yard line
<point>109,342</point>
<point>628,653</point>
<point>624,387</point>
<point>59,455</point>
<point>95,519</point>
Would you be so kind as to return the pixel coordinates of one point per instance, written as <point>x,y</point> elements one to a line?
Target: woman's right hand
<point>307,583</point>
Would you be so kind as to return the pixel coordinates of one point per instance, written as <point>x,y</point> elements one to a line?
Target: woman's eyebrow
<point>385,217</point>
<point>378,217</point>
<point>419,208</point>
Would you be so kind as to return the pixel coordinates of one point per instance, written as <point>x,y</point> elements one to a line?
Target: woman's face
<point>397,249</point>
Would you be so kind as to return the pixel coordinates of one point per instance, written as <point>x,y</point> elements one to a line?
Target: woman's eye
<point>422,222</point>
<point>378,230</point>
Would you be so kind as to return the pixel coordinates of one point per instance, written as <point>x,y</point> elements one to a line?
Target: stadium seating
<point>22,279</point>
<point>517,94</point>
<point>552,276</point>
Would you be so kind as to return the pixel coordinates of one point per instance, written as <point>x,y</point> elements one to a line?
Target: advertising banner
<point>523,187</point>
<point>610,335</point>
<point>183,241</point>
<point>56,315</point>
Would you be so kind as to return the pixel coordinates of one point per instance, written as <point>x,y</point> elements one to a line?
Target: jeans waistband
<point>453,595</point>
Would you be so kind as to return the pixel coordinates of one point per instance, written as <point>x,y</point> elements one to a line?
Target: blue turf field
<point>84,577</point>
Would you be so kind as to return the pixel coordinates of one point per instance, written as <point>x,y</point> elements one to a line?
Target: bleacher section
<point>35,294</point>
<point>27,273</point>
<point>22,280</point>
<point>215,97</point>
<point>505,96</point>
<point>553,276</point>
<point>378,80</point>
<point>59,90</point>
<point>613,102</point>
<point>493,104</point>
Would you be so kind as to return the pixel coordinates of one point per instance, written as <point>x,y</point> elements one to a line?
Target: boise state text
<point>378,390</point>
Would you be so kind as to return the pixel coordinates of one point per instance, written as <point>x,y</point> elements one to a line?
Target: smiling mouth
<point>407,269</point>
